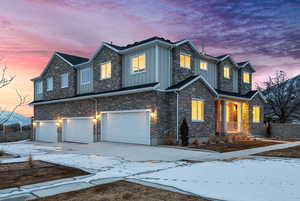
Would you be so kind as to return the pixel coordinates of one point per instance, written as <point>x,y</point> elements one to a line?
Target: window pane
<point>187,61</point>
<point>182,63</point>
<point>203,65</point>
<point>194,110</point>
<point>142,62</point>
<point>200,110</point>
<point>256,114</point>
<point>135,64</point>
<point>50,84</point>
<point>246,77</point>
<point>108,73</point>
<point>226,72</point>
<point>64,80</point>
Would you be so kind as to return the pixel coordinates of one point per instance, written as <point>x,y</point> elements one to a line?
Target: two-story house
<point>140,93</point>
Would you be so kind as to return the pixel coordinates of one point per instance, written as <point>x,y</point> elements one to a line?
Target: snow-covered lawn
<point>243,180</point>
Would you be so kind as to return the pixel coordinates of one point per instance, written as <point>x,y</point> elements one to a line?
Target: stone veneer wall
<point>257,128</point>
<point>55,69</point>
<point>154,101</point>
<point>178,73</point>
<point>285,130</point>
<point>197,130</point>
<point>113,83</point>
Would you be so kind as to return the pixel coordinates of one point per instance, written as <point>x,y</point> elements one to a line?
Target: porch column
<point>223,117</point>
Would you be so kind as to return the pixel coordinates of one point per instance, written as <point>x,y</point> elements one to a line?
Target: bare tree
<point>5,80</point>
<point>283,97</point>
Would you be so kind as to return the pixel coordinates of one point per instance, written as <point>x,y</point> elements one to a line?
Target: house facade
<point>140,93</point>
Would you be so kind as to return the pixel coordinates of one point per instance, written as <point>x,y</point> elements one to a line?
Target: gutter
<point>94,96</point>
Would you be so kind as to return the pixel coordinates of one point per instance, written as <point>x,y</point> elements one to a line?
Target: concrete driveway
<point>130,152</point>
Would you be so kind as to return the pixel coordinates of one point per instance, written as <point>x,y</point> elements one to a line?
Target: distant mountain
<point>15,118</point>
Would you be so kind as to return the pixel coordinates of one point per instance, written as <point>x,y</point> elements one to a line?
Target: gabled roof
<point>190,80</point>
<point>222,57</point>
<point>244,64</point>
<point>72,59</point>
<point>226,93</point>
<point>226,56</point>
<point>140,43</point>
<point>249,96</point>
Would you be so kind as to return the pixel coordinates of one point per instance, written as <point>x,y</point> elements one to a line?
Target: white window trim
<point>137,55</point>
<point>48,83</point>
<point>37,87</point>
<point>224,73</point>
<point>249,77</point>
<point>81,72</point>
<point>203,110</point>
<point>256,122</point>
<point>67,84</point>
<point>185,54</point>
<point>202,61</point>
<point>106,78</point>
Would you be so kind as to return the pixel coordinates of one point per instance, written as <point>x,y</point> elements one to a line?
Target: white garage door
<point>126,126</point>
<point>78,130</point>
<point>46,131</point>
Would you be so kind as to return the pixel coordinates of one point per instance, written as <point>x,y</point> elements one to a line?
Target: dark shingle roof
<point>221,56</point>
<point>226,93</point>
<point>242,63</point>
<point>141,42</point>
<point>72,58</point>
<point>105,92</point>
<point>182,83</point>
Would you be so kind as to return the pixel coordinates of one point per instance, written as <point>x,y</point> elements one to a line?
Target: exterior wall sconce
<point>34,124</point>
<point>153,114</point>
<point>58,122</point>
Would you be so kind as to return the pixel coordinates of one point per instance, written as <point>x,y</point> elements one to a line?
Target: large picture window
<point>138,63</point>
<point>105,70</point>
<point>197,110</point>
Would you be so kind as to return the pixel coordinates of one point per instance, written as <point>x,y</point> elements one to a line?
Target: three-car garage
<point>129,126</point>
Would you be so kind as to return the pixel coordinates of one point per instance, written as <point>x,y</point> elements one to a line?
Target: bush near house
<point>184,133</point>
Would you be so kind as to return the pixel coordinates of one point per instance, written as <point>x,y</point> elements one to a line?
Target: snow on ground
<point>243,180</point>
<point>24,148</point>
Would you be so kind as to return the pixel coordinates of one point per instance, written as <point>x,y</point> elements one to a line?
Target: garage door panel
<point>78,130</point>
<point>46,131</point>
<point>129,127</point>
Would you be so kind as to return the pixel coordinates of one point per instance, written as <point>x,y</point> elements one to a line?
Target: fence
<point>15,132</point>
<point>285,130</point>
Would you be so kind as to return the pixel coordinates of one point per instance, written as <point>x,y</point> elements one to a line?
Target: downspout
<point>177,119</point>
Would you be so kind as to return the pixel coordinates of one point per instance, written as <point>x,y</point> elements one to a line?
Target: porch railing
<point>230,126</point>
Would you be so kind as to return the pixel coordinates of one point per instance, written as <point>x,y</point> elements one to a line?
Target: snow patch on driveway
<point>244,180</point>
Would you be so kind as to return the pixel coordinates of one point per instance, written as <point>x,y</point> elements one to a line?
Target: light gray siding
<point>149,76</point>
<point>210,74</point>
<point>235,80</point>
<point>84,88</point>
<point>164,66</point>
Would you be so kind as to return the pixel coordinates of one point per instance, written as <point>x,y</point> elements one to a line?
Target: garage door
<point>78,130</point>
<point>46,131</point>
<point>126,126</point>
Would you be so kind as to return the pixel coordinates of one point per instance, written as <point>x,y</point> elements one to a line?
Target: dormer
<point>245,76</point>
<point>228,73</point>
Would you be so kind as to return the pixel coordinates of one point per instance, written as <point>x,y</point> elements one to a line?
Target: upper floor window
<point>85,76</point>
<point>39,87</point>
<point>246,77</point>
<point>50,84</point>
<point>256,114</point>
<point>64,80</point>
<point>138,63</point>
<point>197,110</point>
<point>203,65</point>
<point>105,71</point>
<point>226,72</point>
<point>185,61</point>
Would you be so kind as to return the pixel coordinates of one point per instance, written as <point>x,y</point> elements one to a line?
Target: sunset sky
<point>266,32</point>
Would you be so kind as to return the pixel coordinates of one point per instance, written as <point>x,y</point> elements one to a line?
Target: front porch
<point>232,117</point>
